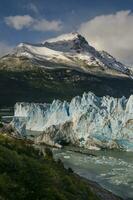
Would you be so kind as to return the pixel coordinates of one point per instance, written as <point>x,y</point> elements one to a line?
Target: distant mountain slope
<point>72,51</point>
<point>62,67</point>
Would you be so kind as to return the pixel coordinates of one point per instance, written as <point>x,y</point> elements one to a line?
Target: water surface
<point>113,170</point>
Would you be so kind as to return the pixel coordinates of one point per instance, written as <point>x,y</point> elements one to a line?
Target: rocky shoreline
<point>101,193</point>
<point>96,188</point>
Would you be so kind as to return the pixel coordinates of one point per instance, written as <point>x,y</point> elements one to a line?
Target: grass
<point>27,175</point>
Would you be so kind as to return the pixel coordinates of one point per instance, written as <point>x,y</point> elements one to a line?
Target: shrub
<point>49,154</point>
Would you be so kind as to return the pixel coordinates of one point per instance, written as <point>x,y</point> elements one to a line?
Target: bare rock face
<point>88,121</point>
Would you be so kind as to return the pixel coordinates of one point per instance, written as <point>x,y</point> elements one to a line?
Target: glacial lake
<point>113,170</point>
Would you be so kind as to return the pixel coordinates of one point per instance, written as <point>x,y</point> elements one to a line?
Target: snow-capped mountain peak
<point>72,50</point>
<point>67,43</point>
<point>65,37</point>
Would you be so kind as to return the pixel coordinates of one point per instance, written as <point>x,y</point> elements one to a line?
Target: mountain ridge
<point>74,51</point>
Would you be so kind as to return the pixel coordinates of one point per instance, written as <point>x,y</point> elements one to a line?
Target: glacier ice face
<point>88,121</point>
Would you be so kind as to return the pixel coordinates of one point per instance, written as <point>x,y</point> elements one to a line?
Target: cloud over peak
<point>113,33</point>
<point>26,21</point>
<point>45,25</point>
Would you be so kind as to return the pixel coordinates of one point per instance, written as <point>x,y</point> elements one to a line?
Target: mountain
<point>88,121</point>
<point>61,67</point>
<point>72,51</point>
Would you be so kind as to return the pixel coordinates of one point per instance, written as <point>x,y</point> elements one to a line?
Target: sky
<point>106,24</point>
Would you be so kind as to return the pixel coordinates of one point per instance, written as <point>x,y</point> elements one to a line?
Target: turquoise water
<point>113,170</point>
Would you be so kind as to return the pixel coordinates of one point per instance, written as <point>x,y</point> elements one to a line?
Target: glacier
<point>89,121</point>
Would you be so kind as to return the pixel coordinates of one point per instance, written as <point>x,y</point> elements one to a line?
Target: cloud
<point>26,21</point>
<point>5,48</point>
<point>45,25</point>
<point>113,33</point>
<point>19,22</point>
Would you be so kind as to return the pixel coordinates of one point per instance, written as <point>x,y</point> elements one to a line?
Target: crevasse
<point>88,121</point>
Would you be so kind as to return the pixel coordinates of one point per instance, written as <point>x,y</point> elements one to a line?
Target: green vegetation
<point>26,175</point>
<point>41,85</point>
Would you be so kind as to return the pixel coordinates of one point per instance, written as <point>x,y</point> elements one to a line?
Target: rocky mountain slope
<point>62,67</point>
<point>88,121</point>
